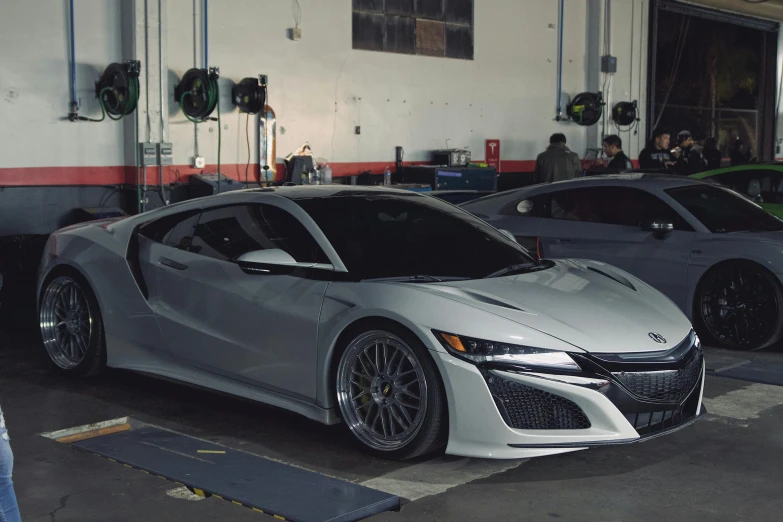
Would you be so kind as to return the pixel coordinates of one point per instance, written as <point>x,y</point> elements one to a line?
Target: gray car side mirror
<point>273,261</point>
<point>660,229</point>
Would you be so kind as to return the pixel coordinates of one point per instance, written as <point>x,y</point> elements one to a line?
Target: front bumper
<point>575,416</point>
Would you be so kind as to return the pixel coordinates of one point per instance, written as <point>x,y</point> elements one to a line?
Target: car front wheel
<point>71,325</point>
<point>738,306</point>
<point>390,394</point>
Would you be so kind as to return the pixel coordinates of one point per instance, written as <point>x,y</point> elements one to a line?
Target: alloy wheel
<point>382,391</point>
<point>66,322</point>
<point>740,307</point>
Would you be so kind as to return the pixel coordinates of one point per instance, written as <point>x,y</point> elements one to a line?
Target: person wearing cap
<point>689,157</point>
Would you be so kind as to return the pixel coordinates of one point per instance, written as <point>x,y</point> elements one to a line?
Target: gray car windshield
<point>721,210</point>
<point>395,235</point>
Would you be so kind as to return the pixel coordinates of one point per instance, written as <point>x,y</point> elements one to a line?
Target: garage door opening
<point>714,74</point>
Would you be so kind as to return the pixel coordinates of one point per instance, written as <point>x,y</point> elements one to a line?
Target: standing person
<point>712,155</point>
<point>9,510</point>
<point>689,157</point>
<point>613,148</point>
<point>656,154</point>
<point>737,154</point>
<point>557,163</point>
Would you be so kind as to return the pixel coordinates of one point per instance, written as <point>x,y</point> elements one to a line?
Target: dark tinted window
<point>175,230</point>
<point>613,206</point>
<point>391,236</point>
<point>227,233</point>
<point>754,183</point>
<point>721,210</point>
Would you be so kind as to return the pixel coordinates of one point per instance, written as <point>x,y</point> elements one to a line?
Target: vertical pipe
<point>206,34</point>
<point>74,103</point>
<point>161,71</point>
<point>559,108</point>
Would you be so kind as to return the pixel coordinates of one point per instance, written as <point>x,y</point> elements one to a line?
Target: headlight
<point>478,351</point>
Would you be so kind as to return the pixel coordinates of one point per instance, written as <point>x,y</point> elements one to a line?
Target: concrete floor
<point>728,466</point>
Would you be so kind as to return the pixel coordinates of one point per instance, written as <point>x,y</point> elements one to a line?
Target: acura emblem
<point>658,338</point>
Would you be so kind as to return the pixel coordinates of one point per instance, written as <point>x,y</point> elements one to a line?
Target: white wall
<point>320,88</point>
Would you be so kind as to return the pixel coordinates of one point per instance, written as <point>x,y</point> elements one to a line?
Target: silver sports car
<point>412,321</point>
<point>716,254</point>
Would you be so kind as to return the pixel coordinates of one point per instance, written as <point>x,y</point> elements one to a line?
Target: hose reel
<point>197,93</point>
<point>118,89</point>
<point>586,108</point>
<point>249,95</point>
<point>625,113</point>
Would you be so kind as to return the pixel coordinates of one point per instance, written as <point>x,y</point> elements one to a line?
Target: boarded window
<point>426,27</point>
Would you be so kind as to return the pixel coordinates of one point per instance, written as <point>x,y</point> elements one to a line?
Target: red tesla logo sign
<point>492,154</point>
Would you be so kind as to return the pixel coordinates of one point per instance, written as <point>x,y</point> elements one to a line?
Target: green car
<point>760,182</point>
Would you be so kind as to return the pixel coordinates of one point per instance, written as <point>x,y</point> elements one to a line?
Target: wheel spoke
<point>361,394</point>
<point>383,422</point>
<point>399,419</point>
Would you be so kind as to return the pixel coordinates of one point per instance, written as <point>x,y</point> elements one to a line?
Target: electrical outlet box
<point>198,162</point>
<point>148,154</point>
<point>609,64</point>
<point>295,33</point>
<point>165,154</point>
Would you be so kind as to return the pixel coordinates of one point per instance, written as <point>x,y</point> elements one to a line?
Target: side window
<point>737,181</point>
<point>175,230</point>
<point>227,233</point>
<point>613,206</point>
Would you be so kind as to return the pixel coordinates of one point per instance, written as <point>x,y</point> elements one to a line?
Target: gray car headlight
<point>479,350</point>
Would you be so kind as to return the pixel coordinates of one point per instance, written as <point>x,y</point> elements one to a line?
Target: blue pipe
<point>558,111</point>
<point>73,62</point>
<point>206,34</point>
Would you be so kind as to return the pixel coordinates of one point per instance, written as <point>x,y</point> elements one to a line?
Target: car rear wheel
<point>390,394</point>
<point>71,326</point>
<point>738,306</point>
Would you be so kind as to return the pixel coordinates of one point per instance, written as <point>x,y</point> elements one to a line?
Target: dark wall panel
<point>368,31</point>
<point>400,34</point>
<point>459,42</point>
<point>403,7</point>
<point>459,11</point>
<point>368,5</point>
<point>430,9</point>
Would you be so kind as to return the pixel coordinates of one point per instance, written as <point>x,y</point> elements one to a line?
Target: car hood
<point>590,305</point>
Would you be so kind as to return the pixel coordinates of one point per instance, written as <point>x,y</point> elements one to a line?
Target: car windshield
<point>721,210</point>
<point>396,235</point>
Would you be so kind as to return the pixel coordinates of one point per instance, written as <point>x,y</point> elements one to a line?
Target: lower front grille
<point>663,386</point>
<point>650,423</point>
<point>527,408</point>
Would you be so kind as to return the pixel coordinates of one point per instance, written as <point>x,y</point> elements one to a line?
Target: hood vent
<point>623,281</point>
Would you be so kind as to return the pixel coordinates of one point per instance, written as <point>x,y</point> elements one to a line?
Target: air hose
<point>210,92</point>
<point>130,102</point>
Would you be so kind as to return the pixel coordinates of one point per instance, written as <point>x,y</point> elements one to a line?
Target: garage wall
<point>320,88</point>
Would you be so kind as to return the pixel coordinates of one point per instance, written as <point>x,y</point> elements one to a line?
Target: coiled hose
<point>212,94</point>
<point>130,105</point>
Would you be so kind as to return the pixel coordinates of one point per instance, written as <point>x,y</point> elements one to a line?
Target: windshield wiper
<point>520,268</point>
<point>418,278</point>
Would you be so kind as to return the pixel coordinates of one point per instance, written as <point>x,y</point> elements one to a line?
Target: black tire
<point>90,361</point>
<point>738,306</point>
<point>431,432</point>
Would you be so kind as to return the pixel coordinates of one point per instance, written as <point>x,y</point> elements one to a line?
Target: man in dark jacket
<point>657,155</point>
<point>712,155</point>
<point>613,148</point>
<point>557,163</point>
<point>689,156</point>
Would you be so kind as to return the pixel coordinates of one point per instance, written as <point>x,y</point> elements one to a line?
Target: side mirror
<point>660,229</point>
<point>508,235</point>
<point>273,261</point>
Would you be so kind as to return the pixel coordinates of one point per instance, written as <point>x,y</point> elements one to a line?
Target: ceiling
<point>769,9</point>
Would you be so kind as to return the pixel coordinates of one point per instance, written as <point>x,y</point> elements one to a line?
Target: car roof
<point>642,180</point>
<point>319,191</point>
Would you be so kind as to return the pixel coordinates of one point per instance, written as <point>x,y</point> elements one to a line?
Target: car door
<point>603,223</point>
<point>257,328</point>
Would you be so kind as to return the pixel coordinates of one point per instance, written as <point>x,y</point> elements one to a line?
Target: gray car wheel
<point>71,325</point>
<point>390,395</point>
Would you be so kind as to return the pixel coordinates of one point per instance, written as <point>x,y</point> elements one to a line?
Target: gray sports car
<point>412,321</point>
<point>716,254</point>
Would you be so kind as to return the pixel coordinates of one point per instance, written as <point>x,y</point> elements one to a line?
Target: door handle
<point>172,264</point>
